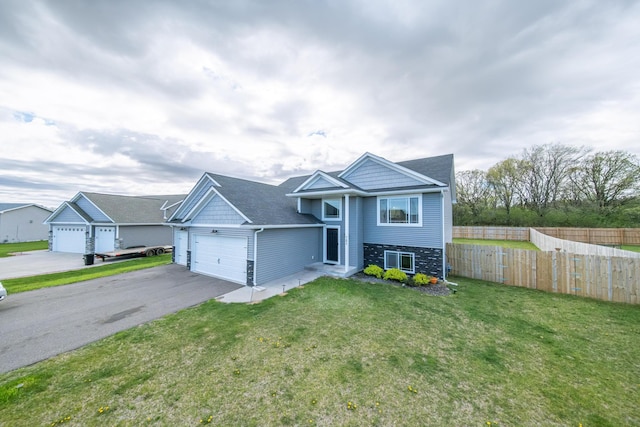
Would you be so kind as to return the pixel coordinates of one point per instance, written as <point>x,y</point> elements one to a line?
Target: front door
<point>331,245</point>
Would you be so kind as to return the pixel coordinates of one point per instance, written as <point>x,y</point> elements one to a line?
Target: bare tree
<point>606,178</point>
<point>473,190</point>
<point>546,169</point>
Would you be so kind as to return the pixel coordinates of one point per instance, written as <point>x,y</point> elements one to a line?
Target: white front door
<point>223,257</point>
<point>69,238</point>
<point>105,239</point>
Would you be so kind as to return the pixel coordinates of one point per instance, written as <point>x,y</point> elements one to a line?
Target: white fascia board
<point>125,224</point>
<point>257,227</point>
<point>351,191</point>
<point>393,166</point>
<point>407,191</point>
<point>96,206</point>
<point>319,174</point>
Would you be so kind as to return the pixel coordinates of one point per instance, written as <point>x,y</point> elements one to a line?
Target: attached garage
<point>69,238</point>
<point>223,257</point>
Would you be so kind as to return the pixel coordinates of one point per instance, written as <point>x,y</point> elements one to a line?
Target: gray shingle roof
<point>263,204</point>
<point>439,168</point>
<point>134,209</point>
<point>9,206</point>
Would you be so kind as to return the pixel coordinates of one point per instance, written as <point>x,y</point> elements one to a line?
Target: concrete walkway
<point>247,294</point>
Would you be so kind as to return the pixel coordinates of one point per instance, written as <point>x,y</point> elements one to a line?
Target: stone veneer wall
<point>249,273</point>
<point>427,260</point>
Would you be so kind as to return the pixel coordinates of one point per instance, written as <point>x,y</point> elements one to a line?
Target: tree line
<point>552,185</point>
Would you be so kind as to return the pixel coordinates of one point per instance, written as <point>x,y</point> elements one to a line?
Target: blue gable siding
<point>371,175</point>
<point>90,209</point>
<point>282,252</point>
<point>68,215</point>
<point>320,182</point>
<point>189,204</point>
<point>356,232</point>
<point>217,211</point>
<point>305,206</point>
<point>428,236</point>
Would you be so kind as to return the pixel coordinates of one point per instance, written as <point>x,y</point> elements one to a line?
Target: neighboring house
<point>97,223</point>
<point>22,222</point>
<point>373,212</point>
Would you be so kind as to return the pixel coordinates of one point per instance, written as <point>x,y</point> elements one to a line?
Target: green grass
<point>7,248</point>
<point>631,248</point>
<point>23,284</point>
<point>504,243</point>
<point>347,353</point>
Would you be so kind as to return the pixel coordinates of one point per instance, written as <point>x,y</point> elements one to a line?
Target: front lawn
<point>347,353</point>
<point>23,284</point>
<point>8,248</point>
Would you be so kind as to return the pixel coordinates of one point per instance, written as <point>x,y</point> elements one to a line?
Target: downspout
<point>255,255</point>
<point>346,233</point>
<point>444,244</point>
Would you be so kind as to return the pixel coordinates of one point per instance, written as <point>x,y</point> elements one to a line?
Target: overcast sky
<point>142,97</point>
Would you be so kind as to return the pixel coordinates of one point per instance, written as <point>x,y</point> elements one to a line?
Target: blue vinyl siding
<point>371,175</point>
<point>320,183</point>
<point>282,252</point>
<point>356,232</point>
<point>427,236</point>
<point>217,211</point>
<point>195,198</point>
<point>305,206</point>
<point>68,215</point>
<point>316,208</point>
<point>90,209</point>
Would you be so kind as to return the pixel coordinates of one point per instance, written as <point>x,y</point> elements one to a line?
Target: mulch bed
<point>439,289</point>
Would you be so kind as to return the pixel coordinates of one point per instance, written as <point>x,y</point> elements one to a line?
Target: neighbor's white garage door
<point>105,239</point>
<point>223,257</point>
<point>69,238</point>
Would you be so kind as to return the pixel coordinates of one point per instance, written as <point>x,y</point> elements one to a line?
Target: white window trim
<point>399,254</point>
<point>399,224</point>
<point>339,218</point>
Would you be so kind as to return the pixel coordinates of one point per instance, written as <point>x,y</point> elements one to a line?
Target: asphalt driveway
<point>40,324</point>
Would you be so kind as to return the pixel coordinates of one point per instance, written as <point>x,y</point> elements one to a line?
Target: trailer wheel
<point>150,252</point>
<point>159,251</point>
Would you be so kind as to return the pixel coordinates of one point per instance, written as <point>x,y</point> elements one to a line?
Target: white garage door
<point>69,238</point>
<point>181,247</point>
<point>105,239</point>
<point>223,257</point>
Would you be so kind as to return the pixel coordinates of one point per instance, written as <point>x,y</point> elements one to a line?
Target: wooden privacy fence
<point>605,278</point>
<point>594,236</point>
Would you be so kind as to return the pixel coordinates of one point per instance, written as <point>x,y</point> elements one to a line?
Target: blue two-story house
<point>395,215</point>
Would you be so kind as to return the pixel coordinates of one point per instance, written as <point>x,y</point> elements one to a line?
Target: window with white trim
<point>402,210</point>
<point>404,261</point>
<point>332,209</point>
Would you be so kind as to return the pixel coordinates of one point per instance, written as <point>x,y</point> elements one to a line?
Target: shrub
<point>421,279</point>
<point>395,274</point>
<point>374,270</point>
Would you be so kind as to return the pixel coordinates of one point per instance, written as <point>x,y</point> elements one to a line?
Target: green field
<point>347,353</point>
<point>503,243</point>
<point>8,248</point>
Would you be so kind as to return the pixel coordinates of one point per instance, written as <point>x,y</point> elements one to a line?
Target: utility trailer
<point>136,251</point>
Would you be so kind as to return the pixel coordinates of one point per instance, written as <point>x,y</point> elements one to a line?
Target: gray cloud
<point>402,79</point>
